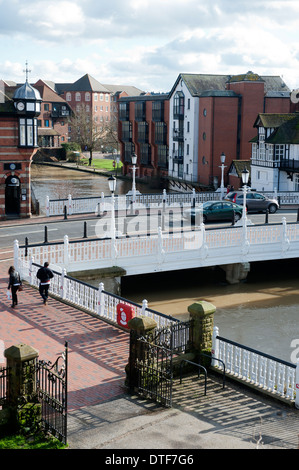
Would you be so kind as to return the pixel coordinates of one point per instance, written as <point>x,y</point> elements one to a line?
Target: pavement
<point>101,412</point>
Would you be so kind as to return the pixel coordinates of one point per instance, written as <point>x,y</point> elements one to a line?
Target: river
<point>261,313</point>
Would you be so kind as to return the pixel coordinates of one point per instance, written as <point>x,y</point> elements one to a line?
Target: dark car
<point>255,202</point>
<point>215,211</point>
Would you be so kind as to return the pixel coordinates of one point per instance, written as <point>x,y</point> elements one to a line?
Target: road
<point>100,227</point>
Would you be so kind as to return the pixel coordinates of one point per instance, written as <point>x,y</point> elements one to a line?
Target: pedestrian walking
<point>45,275</point>
<point>14,284</point>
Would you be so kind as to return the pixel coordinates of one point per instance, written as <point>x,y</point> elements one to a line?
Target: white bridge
<point>168,251</point>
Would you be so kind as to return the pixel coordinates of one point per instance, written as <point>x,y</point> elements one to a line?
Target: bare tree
<point>85,131</point>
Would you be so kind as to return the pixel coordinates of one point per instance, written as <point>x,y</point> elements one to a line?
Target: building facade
<point>275,153</point>
<point>143,129</point>
<point>18,143</point>
<point>208,115</point>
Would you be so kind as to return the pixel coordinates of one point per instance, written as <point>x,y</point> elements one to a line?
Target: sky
<point>148,43</point>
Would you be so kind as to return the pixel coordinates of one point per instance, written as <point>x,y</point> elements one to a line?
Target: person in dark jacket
<point>45,275</point>
<point>14,283</point>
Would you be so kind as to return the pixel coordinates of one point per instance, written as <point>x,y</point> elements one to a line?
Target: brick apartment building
<point>208,115</point>
<point>96,100</point>
<point>143,129</point>
<point>19,110</point>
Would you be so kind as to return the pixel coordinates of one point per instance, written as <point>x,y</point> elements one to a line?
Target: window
<point>296,182</point>
<point>101,96</point>
<point>204,112</point>
<point>47,123</point>
<point>78,96</point>
<point>188,103</point>
<point>46,107</point>
<point>107,98</point>
<point>178,104</point>
<point>187,150</point>
<point>68,96</point>
<point>279,152</point>
<point>188,126</point>
<point>96,97</point>
<point>87,108</point>
<point>87,96</point>
<point>254,151</point>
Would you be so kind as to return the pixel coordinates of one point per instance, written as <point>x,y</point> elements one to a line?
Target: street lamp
<point>112,186</point>
<point>245,179</point>
<point>222,159</point>
<point>134,161</point>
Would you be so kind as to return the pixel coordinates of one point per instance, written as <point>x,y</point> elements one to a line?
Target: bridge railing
<point>275,376</point>
<point>87,205</point>
<point>94,299</point>
<point>199,246</point>
<point>123,202</point>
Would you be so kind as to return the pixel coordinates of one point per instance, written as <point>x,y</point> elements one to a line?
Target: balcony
<point>178,135</point>
<point>288,164</point>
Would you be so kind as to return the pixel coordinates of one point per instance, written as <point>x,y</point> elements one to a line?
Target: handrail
<point>219,360</point>
<point>199,367</point>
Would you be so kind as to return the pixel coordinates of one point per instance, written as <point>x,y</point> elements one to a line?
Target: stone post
<point>202,314</point>
<point>139,326</point>
<point>21,387</point>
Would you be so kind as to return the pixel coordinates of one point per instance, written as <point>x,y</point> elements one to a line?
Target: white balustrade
<point>83,295</point>
<point>94,204</point>
<point>266,372</point>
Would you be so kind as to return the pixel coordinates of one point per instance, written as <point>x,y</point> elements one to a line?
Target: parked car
<point>255,202</point>
<point>214,211</point>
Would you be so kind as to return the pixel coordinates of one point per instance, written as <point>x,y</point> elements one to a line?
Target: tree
<point>84,131</point>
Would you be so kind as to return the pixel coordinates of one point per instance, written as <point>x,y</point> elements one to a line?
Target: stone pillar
<point>21,386</point>
<point>202,314</point>
<point>139,326</point>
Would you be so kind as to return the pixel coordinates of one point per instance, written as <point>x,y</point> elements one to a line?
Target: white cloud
<point>148,43</point>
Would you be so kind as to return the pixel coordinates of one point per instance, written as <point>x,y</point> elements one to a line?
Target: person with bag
<point>45,275</point>
<point>14,284</point>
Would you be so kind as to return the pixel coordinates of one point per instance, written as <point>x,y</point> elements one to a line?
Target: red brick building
<point>143,129</point>
<point>207,115</point>
<point>18,143</point>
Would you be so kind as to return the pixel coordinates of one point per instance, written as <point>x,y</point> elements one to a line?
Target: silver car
<point>255,202</point>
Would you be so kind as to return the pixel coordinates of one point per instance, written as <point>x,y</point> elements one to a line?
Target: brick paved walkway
<point>98,352</point>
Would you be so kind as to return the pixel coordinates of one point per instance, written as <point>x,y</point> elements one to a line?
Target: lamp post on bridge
<point>112,186</point>
<point>245,179</point>
<point>134,161</point>
<point>222,159</point>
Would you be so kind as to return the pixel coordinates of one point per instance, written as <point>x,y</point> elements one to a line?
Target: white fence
<point>96,300</point>
<point>166,251</point>
<point>99,204</point>
<point>95,205</point>
<point>268,373</point>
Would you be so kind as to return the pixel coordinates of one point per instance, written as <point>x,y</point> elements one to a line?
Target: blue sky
<point>147,43</point>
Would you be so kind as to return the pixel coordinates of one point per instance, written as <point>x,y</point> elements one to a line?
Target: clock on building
<point>20,106</point>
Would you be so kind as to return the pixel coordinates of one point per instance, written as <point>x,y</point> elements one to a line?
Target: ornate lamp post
<point>134,161</point>
<point>245,178</point>
<point>222,159</point>
<point>112,186</point>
